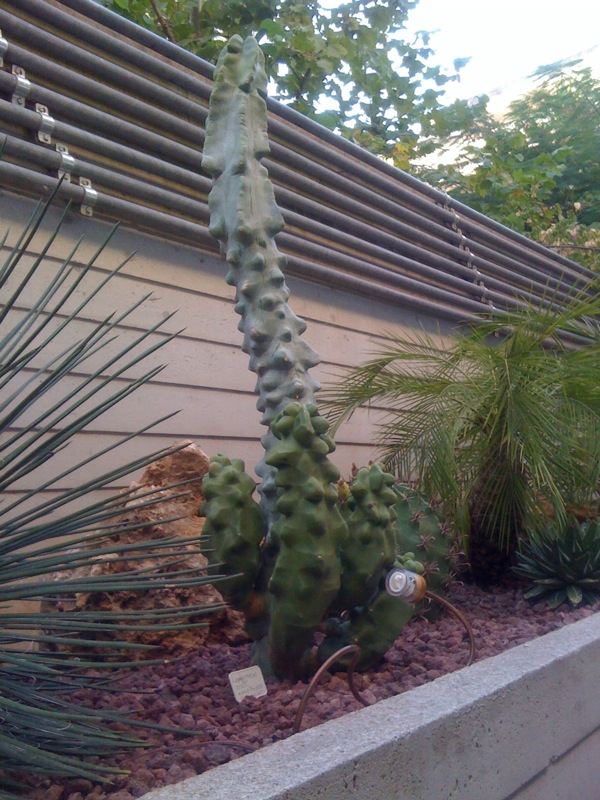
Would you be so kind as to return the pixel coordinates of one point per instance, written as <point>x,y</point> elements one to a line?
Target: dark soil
<point>193,692</point>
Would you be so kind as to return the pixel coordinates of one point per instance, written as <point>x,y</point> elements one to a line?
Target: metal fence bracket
<point>67,162</point>
<point>3,48</point>
<point>46,128</point>
<point>22,87</point>
<point>90,196</point>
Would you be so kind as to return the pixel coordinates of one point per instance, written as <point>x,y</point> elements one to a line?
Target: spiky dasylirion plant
<point>53,385</point>
<point>321,565</point>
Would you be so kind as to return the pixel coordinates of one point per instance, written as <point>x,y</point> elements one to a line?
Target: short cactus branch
<point>425,536</point>
<point>371,548</point>
<point>234,529</point>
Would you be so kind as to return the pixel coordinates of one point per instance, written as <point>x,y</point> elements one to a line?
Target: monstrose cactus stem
<point>244,218</point>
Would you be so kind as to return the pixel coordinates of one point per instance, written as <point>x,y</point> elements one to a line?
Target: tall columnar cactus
<point>244,218</point>
<point>307,563</point>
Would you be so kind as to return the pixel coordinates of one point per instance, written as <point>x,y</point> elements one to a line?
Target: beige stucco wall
<point>206,377</point>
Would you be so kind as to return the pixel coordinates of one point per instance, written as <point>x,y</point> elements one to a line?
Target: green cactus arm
<point>422,531</point>
<point>233,529</point>
<point>375,618</point>
<point>371,545</point>
<point>374,629</point>
<point>244,217</point>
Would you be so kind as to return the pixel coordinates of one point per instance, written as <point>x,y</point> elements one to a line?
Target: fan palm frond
<point>504,416</point>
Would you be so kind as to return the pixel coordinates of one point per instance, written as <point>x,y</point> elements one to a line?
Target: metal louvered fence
<point>121,112</point>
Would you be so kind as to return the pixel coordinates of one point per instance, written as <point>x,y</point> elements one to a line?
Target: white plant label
<point>246,682</point>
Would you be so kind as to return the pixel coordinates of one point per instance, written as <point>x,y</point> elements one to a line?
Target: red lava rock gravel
<point>193,692</point>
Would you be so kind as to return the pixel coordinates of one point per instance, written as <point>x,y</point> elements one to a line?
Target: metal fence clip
<point>67,162</point>
<point>90,196</point>
<point>22,87</point>
<point>46,128</point>
<point>3,48</point>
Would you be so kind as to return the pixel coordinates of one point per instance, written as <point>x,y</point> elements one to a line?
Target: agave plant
<point>496,424</point>
<point>563,563</point>
<point>51,387</point>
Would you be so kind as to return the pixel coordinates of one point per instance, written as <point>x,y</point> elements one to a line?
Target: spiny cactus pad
<point>422,531</point>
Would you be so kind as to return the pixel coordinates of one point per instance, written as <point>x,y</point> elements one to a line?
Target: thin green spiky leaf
<point>557,598</point>
<point>549,583</point>
<point>535,591</point>
<point>85,490</point>
<point>30,459</point>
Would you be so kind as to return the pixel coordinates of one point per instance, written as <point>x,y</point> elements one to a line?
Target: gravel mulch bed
<point>193,692</point>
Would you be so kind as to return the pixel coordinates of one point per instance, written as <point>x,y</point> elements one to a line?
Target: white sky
<point>507,40</point>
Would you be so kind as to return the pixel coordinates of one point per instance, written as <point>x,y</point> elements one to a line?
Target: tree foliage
<point>349,67</point>
<point>562,114</point>
<point>537,169</point>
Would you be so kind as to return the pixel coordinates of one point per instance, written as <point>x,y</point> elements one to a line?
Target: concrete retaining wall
<point>524,724</point>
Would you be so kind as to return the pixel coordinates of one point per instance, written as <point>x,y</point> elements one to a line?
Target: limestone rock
<point>176,516</point>
<point>188,464</point>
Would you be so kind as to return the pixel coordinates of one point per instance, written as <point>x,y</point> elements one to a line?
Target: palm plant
<point>52,387</point>
<point>496,424</point>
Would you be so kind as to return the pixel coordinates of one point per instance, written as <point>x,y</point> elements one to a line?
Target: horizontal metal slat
<point>155,222</point>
